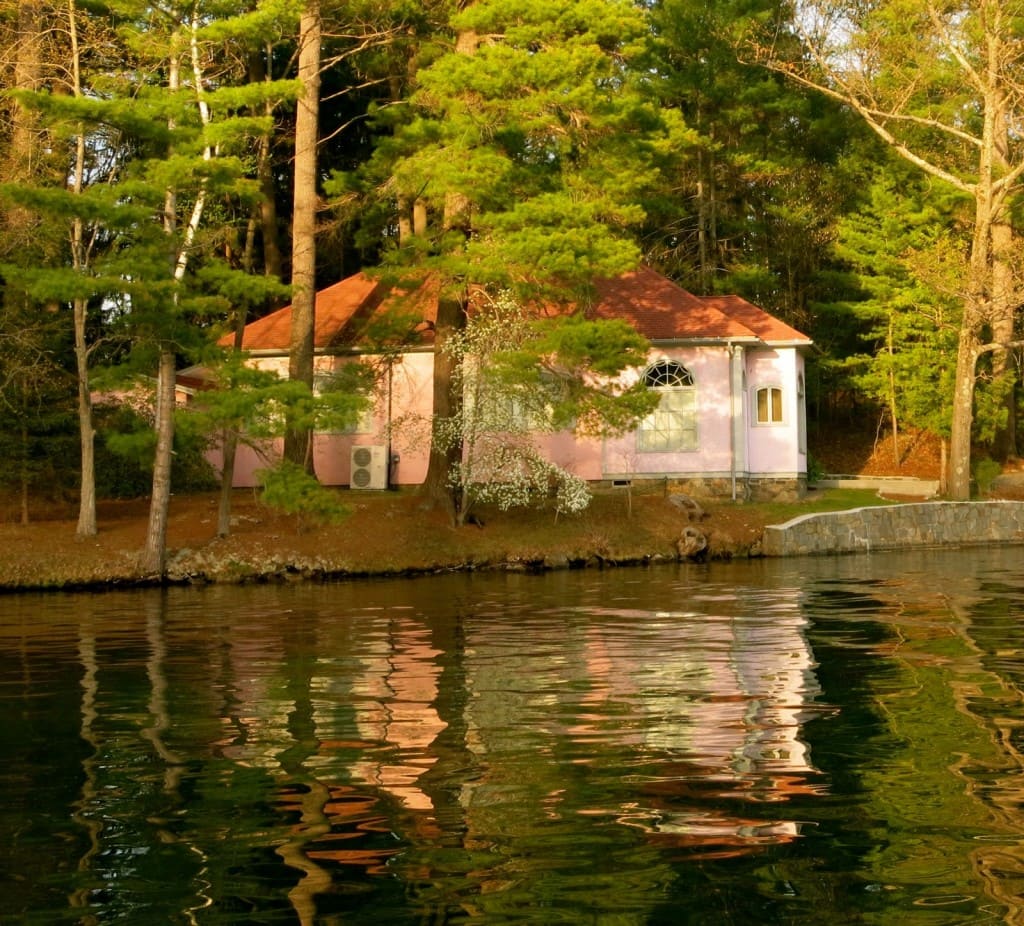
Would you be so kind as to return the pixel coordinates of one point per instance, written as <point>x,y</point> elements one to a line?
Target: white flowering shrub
<point>499,417</point>
<point>515,476</point>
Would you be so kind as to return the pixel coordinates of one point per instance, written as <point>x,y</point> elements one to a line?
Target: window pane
<point>667,374</point>
<point>672,426</point>
<point>768,405</point>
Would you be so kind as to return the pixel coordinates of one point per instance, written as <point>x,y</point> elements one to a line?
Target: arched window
<point>667,374</point>
<point>672,426</point>
<point>768,405</point>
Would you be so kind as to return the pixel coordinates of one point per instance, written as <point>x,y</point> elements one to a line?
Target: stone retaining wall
<point>862,530</point>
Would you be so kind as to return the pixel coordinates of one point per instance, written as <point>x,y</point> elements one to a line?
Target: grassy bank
<point>385,534</point>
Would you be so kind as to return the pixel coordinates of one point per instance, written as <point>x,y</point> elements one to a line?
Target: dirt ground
<point>392,532</point>
<point>853,453</point>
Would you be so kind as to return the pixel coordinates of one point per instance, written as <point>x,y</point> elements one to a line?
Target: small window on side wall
<point>768,405</point>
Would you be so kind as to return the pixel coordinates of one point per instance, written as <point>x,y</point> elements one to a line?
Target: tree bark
<point>958,481</point>
<point>298,439</point>
<point>86,432</point>
<point>156,536</point>
<point>80,259</point>
<point>1004,285</point>
<point>451,318</point>
<point>27,76</point>
<point>446,454</point>
<point>272,258</point>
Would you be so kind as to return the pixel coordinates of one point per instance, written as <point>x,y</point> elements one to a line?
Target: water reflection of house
<point>394,696</point>
<point>686,727</point>
<point>705,711</point>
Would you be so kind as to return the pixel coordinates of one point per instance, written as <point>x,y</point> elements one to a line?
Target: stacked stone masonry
<point>863,530</point>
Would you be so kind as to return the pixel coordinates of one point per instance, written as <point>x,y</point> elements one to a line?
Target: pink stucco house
<point>731,377</point>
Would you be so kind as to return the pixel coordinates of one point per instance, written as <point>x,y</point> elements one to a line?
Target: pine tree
<point>156,133</point>
<point>528,149</point>
<point>898,247</point>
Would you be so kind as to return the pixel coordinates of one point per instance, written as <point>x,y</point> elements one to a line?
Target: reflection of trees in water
<point>287,760</point>
<point>937,762</point>
<point>479,766</point>
<point>130,802</point>
<point>81,815</point>
<point>990,625</point>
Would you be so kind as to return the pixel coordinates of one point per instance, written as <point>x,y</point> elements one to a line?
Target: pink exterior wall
<point>709,366</point>
<point>775,449</point>
<point>411,400</point>
<point>407,395</point>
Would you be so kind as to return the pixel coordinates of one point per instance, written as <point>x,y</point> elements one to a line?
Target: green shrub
<point>125,445</point>
<point>289,488</point>
<point>984,471</point>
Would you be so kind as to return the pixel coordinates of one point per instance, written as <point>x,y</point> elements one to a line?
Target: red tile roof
<point>766,327</point>
<point>662,311</point>
<point>335,307</point>
<point>658,308</point>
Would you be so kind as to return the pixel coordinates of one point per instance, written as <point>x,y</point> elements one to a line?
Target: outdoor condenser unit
<point>369,467</point>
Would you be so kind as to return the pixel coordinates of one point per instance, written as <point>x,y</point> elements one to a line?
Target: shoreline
<point>385,536</point>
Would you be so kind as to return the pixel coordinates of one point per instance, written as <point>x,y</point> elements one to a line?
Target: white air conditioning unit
<point>369,467</point>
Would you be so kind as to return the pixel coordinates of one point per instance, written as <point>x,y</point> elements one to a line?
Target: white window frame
<point>673,426</point>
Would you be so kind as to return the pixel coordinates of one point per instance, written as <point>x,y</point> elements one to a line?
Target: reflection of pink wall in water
<point>736,716</point>
<point>403,675</point>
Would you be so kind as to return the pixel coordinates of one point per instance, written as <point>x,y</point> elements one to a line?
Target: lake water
<point>806,741</point>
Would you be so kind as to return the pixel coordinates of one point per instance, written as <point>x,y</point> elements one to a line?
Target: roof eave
<point>705,342</point>
<point>794,342</point>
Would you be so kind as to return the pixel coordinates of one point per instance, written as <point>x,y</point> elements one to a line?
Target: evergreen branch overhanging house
<point>731,420</point>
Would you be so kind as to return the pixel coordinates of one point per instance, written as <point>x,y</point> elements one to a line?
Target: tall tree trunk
<point>959,480</point>
<point>156,536</point>
<point>80,260</point>
<point>451,318</point>
<point>86,432</point>
<point>24,150</point>
<point>272,258</point>
<point>445,454</point>
<point>978,305</point>
<point>298,439</point>
<point>25,481</point>
<point>1004,305</point>
<point>1004,292</point>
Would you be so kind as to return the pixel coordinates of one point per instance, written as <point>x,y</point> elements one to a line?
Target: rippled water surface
<point>811,741</point>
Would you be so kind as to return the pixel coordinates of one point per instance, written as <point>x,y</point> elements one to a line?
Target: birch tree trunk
<point>156,535</point>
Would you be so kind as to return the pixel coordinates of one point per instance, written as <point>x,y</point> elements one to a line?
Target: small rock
<point>687,506</point>
<point>692,544</point>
